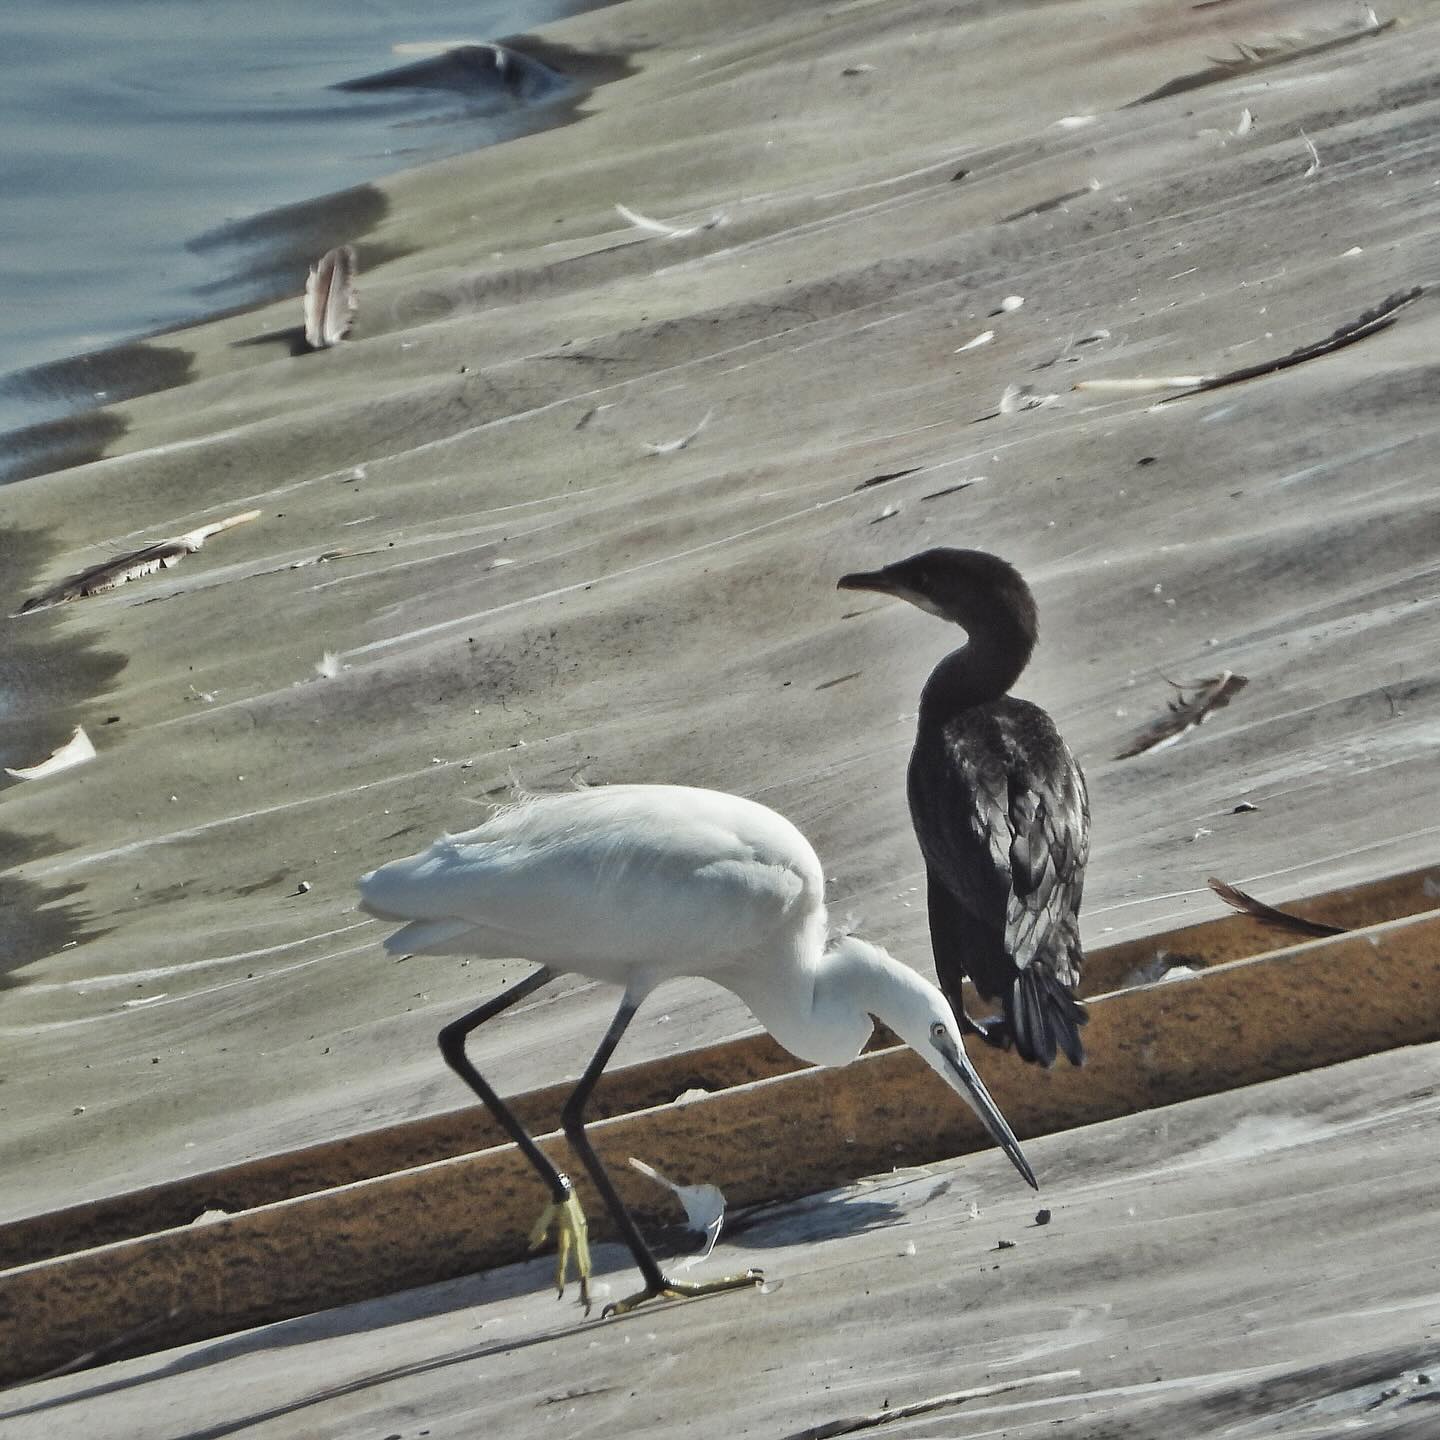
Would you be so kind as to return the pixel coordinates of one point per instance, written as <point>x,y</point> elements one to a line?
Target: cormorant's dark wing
<point>1002,816</point>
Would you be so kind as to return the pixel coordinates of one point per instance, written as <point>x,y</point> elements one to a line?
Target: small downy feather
<point>662,228</point>
<point>330,298</point>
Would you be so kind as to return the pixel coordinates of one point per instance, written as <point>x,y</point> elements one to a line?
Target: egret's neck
<point>819,1005</point>
<point>861,981</point>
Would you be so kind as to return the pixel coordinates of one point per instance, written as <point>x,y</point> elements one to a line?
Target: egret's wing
<point>620,879</point>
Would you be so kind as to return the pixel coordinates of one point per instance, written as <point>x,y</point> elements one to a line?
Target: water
<point>129,129</point>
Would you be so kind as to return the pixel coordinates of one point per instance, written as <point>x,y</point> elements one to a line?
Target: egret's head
<point>920,1015</point>
<point>859,980</point>
<point>971,588</point>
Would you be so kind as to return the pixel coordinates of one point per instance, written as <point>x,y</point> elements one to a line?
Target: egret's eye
<point>937,1030</point>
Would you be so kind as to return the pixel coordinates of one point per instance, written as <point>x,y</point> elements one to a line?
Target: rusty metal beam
<point>717,1067</point>
<point>1298,1008</point>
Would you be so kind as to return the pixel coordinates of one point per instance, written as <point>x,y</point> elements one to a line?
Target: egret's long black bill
<point>969,1084</point>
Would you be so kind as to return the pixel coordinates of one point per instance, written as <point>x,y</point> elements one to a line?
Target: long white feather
<point>75,751</point>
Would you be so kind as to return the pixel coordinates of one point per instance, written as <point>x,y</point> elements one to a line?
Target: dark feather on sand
<point>1185,712</point>
<point>108,574</point>
<point>1268,914</point>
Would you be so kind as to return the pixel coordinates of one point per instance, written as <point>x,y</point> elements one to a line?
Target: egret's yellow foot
<point>684,1290</point>
<point>571,1241</point>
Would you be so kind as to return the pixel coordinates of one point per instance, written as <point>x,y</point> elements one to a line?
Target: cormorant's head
<point>972,588</point>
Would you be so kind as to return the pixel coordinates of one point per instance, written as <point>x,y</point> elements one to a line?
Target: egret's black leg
<point>564,1208</point>
<point>572,1119</point>
<point>452,1047</point>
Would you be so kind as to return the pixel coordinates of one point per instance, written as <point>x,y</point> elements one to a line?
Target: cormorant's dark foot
<point>995,1031</point>
<point>683,1290</point>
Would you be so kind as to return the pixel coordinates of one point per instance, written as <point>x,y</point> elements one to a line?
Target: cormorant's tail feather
<point>1045,1017</point>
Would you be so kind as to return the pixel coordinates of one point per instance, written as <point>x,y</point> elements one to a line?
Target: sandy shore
<point>533,596</point>
<point>1246,1265</point>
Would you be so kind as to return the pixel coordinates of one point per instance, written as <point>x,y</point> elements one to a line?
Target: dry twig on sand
<point>922,1407</point>
<point>1264,54</point>
<point>110,1349</point>
<point>1185,712</point>
<point>1372,322</point>
<point>1042,207</point>
<point>1258,910</point>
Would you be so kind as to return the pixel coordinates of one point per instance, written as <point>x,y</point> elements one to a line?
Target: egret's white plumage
<point>615,882</point>
<point>637,884</point>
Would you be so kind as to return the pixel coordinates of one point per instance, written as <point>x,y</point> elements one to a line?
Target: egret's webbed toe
<point>684,1290</point>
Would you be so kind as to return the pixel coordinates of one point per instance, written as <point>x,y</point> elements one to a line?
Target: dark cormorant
<point>999,807</point>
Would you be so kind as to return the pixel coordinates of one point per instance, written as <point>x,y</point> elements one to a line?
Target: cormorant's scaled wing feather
<point>1005,838</point>
<point>1049,845</point>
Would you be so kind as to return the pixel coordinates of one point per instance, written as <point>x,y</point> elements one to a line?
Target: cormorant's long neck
<point>980,671</point>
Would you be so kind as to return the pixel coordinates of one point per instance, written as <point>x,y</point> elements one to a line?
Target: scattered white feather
<point>1024,397</point>
<point>433,47</point>
<point>669,447</point>
<point>75,751</point>
<point>1009,303</point>
<point>1074,122</point>
<point>1140,384</point>
<point>668,232</point>
<point>983,338</point>
<point>1353,250</point>
<point>704,1206</point>
<point>328,666</point>
<point>1314,168</point>
<point>1247,122</point>
<point>330,298</point>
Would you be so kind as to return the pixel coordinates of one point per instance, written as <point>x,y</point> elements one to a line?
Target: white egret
<point>635,885</point>
<point>999,807</point>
